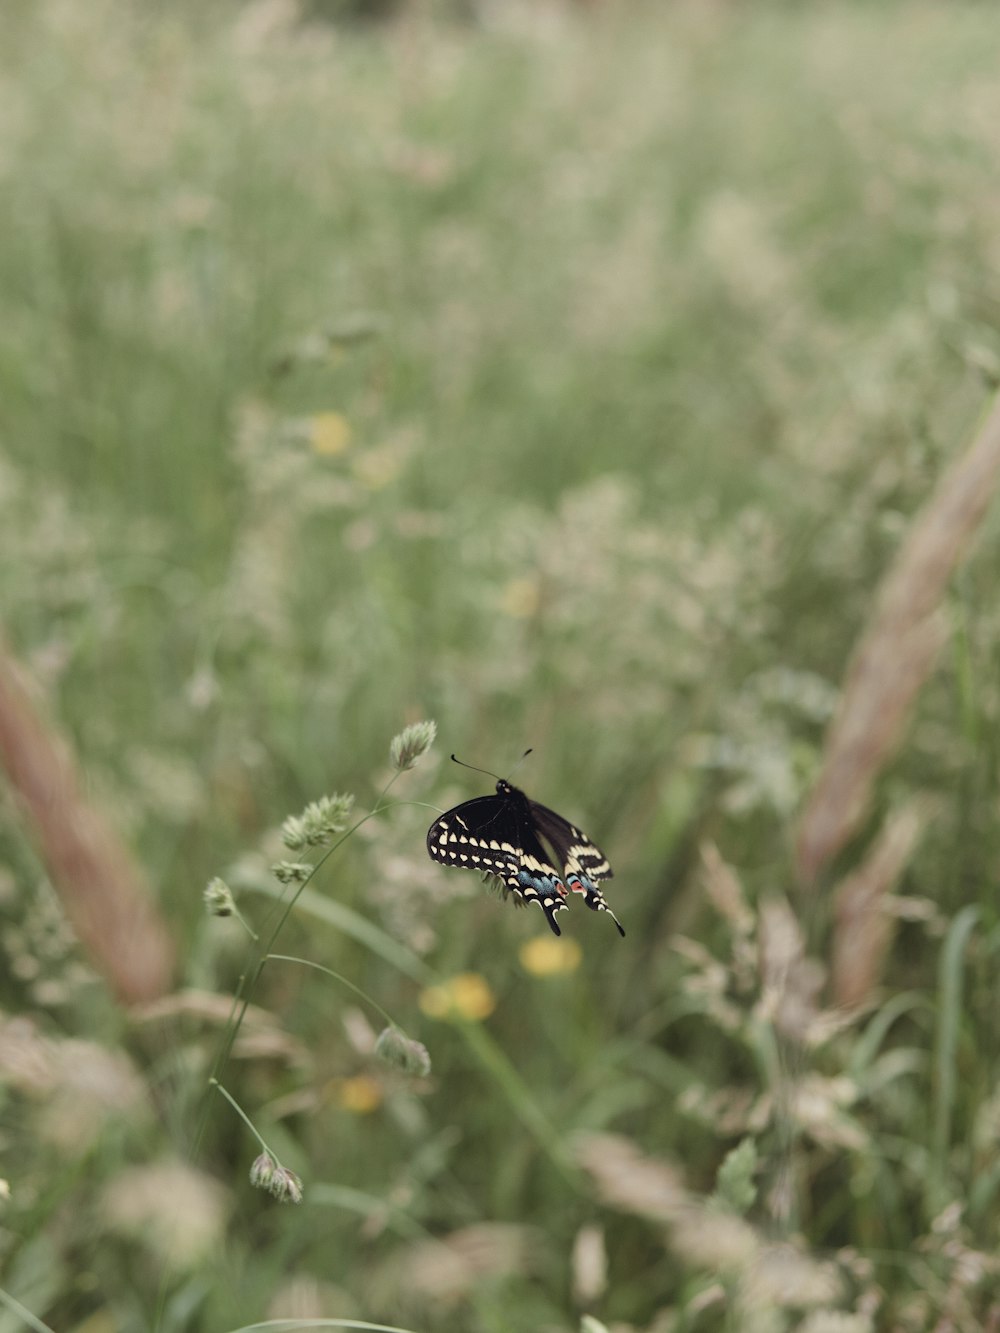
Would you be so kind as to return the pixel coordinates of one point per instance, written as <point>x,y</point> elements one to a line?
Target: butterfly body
<point>505,835</point>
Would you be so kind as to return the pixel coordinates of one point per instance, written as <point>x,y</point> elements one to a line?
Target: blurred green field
<point>571,378</point>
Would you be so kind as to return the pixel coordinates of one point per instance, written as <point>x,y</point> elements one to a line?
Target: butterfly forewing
<point>500,835</point>
<point>481,835</point>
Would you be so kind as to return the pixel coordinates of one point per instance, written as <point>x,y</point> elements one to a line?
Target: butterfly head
<point>504,788</point>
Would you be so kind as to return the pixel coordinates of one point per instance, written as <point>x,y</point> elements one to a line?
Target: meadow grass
<point>572,379</point>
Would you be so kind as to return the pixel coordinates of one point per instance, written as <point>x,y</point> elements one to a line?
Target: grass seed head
<point>318,823</point>
<point>219,898</point>
<point>395,1048</point>
<point>412,742</point>
<point>292,872</point>
<point>268,1174</point>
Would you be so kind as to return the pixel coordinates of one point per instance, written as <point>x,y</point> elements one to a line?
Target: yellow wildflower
<point>546,956</point>
<point>329,433</point>
<point>360,1094</point>
<point>467,995</point>
<point>521,597</point>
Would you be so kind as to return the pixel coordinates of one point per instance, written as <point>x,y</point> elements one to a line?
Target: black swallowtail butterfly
<point>502,835</point>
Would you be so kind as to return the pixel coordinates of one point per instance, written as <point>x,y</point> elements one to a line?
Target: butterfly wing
<point>477,835</point>
<point>538,880</point>
<point>584,864</point>
<point>494,834</point>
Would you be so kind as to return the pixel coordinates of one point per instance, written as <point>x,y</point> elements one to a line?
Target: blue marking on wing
<point>540,883</point>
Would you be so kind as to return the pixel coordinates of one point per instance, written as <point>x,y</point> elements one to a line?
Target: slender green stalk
<point>520,1100</point>
<point>245,924</point>
<point>242,1115</point>
<point>950,978</point>
<point>15,1307</point>
<point>488,1054</point>
<point>320,1323</point>
<point>337,976</point>
<point>359,928</point>
<point>250,977</point>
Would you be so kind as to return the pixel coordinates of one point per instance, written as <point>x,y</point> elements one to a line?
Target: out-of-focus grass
<point>570,381</point>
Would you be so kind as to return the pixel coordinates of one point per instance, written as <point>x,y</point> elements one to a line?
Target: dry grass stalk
<point>102,890</point>
<point>208,1007</point>
<point>589,1265</point>
<point>769,1275</point>
<point>178,1213</point>
<point>80,1086</point>
<point>647,1187</point>
<point>725,891</point>
<point>896,652</point>
<point>790,981</point>
<point>261,1035</point>
<point>863,928</point>
<point>628,1180</point>
<point>443,1272</point>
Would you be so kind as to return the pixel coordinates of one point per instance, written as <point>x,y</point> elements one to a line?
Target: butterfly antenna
<point>487,772</point>
<point>475,769</point>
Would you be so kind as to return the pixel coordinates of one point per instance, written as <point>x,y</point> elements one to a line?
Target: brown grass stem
<point>897,652</point>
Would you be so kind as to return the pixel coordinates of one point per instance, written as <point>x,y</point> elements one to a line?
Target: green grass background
<point>652,326</point>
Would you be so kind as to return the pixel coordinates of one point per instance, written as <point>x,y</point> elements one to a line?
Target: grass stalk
<point>951,974</point>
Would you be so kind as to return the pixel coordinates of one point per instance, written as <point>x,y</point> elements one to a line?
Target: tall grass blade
<point>950,978</point>
<point>15,1307</point>
<point>350,923</point>
<point>288,1325</point>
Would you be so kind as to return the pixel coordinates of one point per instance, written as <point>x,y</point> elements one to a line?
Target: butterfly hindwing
<point>538,880</point>
<point>501,835</point>
<point>584,864</point>
<point>572,846</point>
